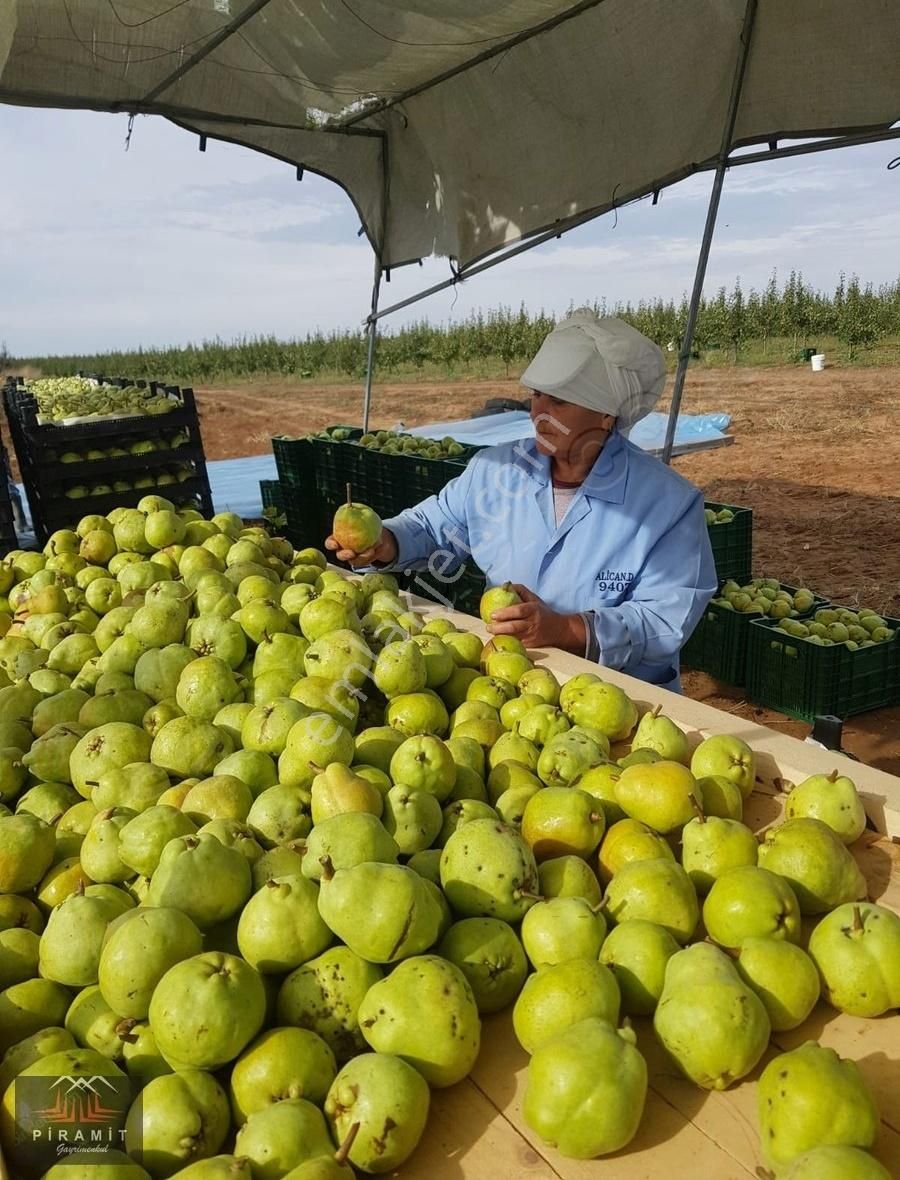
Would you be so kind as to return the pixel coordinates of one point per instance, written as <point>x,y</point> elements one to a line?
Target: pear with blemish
<point>658,732</point>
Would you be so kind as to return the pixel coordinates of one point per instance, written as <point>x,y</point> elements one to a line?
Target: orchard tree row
<point>774,324</point>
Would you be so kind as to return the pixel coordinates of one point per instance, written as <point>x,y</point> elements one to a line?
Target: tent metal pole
<point>684,355</point>
<point>370,352</point>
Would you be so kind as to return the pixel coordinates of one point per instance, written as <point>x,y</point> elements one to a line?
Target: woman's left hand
<point>535,624</point>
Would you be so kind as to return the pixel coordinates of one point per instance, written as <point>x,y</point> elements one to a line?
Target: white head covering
<point>601,364</point>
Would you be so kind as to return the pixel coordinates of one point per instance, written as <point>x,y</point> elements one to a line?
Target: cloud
<point>162,244</point>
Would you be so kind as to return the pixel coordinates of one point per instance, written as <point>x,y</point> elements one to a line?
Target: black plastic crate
<point>271,495</point>
<point>718,644</point>
<point>39,447</point>
<point>807,680</point>
<point>295,460</point>
<point>462,591</point>
<point>8,539</point>
<point>732,543</point>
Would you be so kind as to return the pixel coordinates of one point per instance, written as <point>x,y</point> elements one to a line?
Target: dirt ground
<point>816,456</point>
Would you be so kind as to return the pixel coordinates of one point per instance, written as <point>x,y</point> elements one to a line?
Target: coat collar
<point>605,481</point>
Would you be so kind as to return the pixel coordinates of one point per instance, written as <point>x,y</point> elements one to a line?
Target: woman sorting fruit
<point>605,548</point>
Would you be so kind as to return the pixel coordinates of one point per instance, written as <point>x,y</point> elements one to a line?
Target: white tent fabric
<point>460,127</point>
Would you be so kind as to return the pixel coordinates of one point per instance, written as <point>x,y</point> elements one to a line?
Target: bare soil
<point>816,456</point>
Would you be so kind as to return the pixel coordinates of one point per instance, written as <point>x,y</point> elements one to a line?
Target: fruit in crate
<point>715,516</point>
<point>389,442</point>
<point>59,398</point>
<point>854,629</point>
<point>764,597</point>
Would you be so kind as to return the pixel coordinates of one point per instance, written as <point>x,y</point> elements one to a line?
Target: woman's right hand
<point>383,552</point>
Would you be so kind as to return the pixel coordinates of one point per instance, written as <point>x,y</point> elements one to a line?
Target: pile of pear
<point>830,626</point>
<point>765,597</point>
<point>70,397</point>
<point>273,846</point>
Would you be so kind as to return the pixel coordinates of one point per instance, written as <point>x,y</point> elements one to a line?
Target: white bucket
<point>818,362</point>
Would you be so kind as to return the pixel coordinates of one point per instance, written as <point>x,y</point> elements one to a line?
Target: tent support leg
<point>684,355</point>
<point>370,351</point>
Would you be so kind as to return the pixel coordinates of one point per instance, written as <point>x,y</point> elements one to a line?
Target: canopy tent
<point>459,129</point>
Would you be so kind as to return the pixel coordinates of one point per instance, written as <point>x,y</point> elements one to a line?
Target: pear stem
<point>316,767</point>
<point>834,776</point>
<point>343,1152</point>
<point>656,710</point>
<point>327,868</point>
<point>858,924</point>
<point>529,895</point>
<point>349,496</point>
<point>698,810</point>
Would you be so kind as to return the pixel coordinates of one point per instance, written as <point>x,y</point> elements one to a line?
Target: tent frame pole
<point>684,355</point>
<point>370,351</point>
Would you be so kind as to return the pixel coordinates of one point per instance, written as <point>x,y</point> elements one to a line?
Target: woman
<point>607,547</point>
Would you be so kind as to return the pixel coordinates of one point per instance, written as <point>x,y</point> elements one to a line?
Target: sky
<point>103,248</point>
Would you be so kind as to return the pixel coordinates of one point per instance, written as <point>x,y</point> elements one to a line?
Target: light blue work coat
<point>633,548</point>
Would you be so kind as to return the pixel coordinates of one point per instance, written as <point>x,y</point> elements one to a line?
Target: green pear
<point>727,757</point>
<point>280,927</point>
<point>281,1063</point>
<point>710,846</point>
<point>201,877</point>
<point>403,918</point>
<point>629,840</point>
<point>751,902</point>
<point>388,1100</point>
<point>400,668</point>
<point>425,763</point>
<point>425,1013</point>
<point>557,997</point>
<point>586,1089</point>
<point>637,953</point>
<point>663,795</point>
<point>510,776</point>
<point>462,812</point>
<point>280,814</point>
<point>348,839</point>
<point>27,846</point>
<point>568,876</point>
<point>562,821</point>
<point>783,976</point>
<point>72,941</point>
<point>712,1025</point>
<point>282,1135</point>
<point>143,838</point>
<point>565,757</point>
<point>812,858</point>
<point>324,996</point>
<point>834,1163</point>
<point>488,870</point>
<point>539,682</point>
<point>139,947</point>
<point>412,818</point>
<point>721,797</point>
<point>206,1009</point>
<point>177,1119</point>
<point>562,928</point>
<point>336,790</point>
<point>856,949</point>
<point>489,954</point>
<point>586,699</point>
<point>660,733</point>
<point>831,798</point>
<point>812,1098</point>
<point>657,891</point>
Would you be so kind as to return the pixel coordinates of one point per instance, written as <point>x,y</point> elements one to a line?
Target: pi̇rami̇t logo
<point>66,1116</point>
<point>78,1100</point>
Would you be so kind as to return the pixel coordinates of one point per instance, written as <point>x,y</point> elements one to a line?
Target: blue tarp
<point>649,433</point>
<point>235,482</point>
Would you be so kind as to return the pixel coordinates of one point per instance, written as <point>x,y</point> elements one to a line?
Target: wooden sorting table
<point>476,1130</point>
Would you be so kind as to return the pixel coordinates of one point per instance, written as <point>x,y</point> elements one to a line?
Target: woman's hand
<point>536,625</point>
<point>384,551</point>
